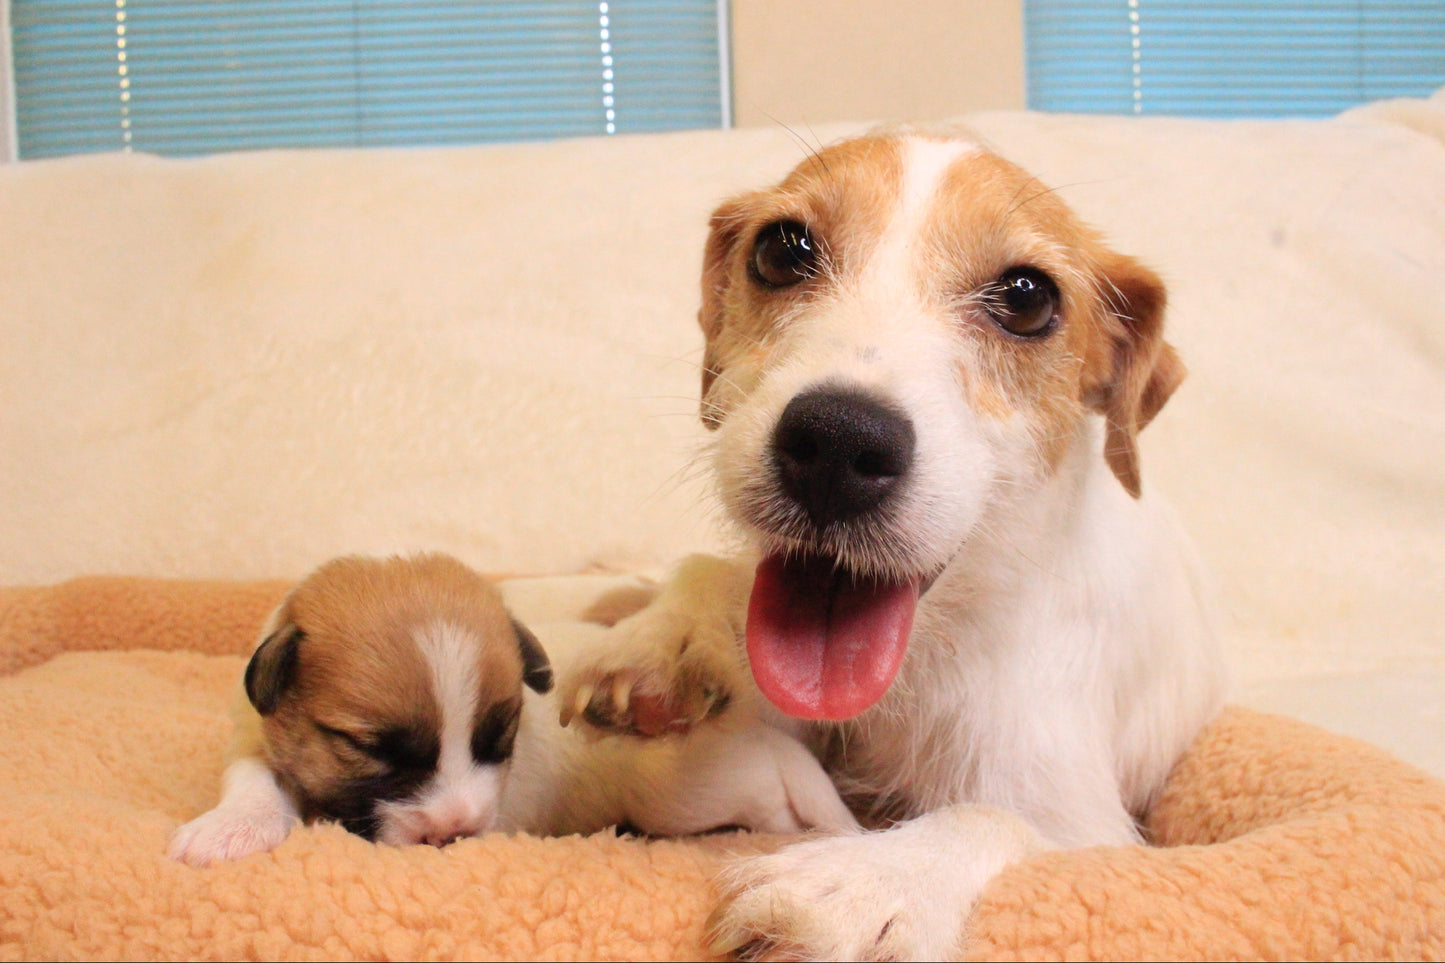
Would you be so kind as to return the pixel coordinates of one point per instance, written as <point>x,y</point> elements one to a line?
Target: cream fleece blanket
<point>1275,840</point>
<point>237,366</point>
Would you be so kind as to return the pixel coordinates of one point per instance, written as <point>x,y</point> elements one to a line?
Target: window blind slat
<point>1228,58</point>
<point>193,76</point>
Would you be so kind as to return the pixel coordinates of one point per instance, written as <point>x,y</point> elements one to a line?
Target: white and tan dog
<point>928,379</point>
<point>399,698</point>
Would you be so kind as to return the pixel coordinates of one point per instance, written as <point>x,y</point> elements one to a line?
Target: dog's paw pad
<point>643,703</point>
<point>821,899</point>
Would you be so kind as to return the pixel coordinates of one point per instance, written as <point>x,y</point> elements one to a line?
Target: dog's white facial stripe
<point>451,654</point>
<point>460,799</point>
<point>876,327</point>
<point>925,164</point>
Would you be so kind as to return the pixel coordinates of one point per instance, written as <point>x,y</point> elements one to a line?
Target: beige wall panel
<point>800,62</point>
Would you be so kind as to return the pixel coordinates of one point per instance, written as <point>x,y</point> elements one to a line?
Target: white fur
<point>733,771</point>
<point>1058,666</point>
<point>736,770</point>
<point>462,798</point>
<point>871,896</point>
<point>254,816</point>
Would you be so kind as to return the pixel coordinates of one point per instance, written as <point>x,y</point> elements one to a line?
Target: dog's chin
<point>415,827</point>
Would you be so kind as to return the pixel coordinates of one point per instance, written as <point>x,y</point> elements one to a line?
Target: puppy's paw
<point>654,673</point>
<point>229,832</point>
<point>901,894</point>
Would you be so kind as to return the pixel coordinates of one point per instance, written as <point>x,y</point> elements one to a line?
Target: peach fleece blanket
<point>1276,840</point>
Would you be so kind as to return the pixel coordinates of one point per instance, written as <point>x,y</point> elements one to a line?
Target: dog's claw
<point>724,937</point>
<point>621,695</point>
<point>578,705</point>
<point>623,703</point>
<point>657,673</point>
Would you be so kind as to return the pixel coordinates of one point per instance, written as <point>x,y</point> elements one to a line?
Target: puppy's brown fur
<point>345,696</point>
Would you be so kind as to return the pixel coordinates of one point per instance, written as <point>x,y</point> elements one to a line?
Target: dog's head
<point>906,334</point>
<point>390,693</point>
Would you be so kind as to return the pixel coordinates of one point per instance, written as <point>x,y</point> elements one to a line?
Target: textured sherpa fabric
<point>1275,840</point>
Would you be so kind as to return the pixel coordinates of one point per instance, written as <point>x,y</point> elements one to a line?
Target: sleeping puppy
<point>927,381</point>
<point>399,698</point>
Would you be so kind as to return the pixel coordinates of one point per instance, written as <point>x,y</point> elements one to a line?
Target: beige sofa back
<point>242,365</point>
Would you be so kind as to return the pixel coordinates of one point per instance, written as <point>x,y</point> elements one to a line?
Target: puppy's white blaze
<point>451,654</point>
<point>461,798</point>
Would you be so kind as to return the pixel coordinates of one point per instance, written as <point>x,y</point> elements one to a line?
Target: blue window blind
<point>199,76</point>
<point>1214,58</point>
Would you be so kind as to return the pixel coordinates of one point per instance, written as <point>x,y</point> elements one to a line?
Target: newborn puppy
<point>385,695</point>
<point>391,696</point>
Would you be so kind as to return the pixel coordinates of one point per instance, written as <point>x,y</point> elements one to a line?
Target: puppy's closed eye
<point>496,733</point>
<point>398,748</point>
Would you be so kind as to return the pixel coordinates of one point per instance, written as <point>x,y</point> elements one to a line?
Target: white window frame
<point>9,138</point>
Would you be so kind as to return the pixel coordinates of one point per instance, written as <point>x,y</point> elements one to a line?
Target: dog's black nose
<point>840,452</point>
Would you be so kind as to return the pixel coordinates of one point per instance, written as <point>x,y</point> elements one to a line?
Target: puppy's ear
<point>724,230</point>
<point>536,668</point>
<point>1142,370</point>
<point>272,669</point>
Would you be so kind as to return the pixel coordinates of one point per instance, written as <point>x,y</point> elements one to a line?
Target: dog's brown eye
<point>1023,301</point>
<point>784,253</point>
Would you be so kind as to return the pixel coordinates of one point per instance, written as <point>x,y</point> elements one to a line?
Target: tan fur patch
<point>845,194</point>
<point>990,216</point>
<point>616,605</point>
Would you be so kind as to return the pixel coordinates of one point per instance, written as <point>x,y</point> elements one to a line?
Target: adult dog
<point>927,380</point>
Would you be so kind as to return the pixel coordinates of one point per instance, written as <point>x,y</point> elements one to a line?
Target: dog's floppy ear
<point>724,230</point>
<point>272,669</point>
<point>1143,370</point>
<point>536,668</point>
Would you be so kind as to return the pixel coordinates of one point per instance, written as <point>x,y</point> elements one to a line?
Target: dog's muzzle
<point>840,453</point>
<point>831,610</point>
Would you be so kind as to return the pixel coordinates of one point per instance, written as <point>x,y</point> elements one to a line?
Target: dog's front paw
<point>229,832</point>
<point>900,894</point>
<point>656,672</point>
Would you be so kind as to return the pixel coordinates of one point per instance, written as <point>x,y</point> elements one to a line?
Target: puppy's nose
<point>840,452</point>
<point>445,836</point>
<point>441,839</point>
<point>443,830</point>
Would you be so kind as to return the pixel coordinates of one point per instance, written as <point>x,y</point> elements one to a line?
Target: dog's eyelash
<point>496,733</point>
<point>396,747</point>
<point>343,736</point>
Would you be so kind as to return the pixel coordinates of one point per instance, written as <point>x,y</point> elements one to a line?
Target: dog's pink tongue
<point>822,644</point>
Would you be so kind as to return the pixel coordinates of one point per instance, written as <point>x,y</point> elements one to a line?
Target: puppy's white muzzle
<point>453,807</point>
